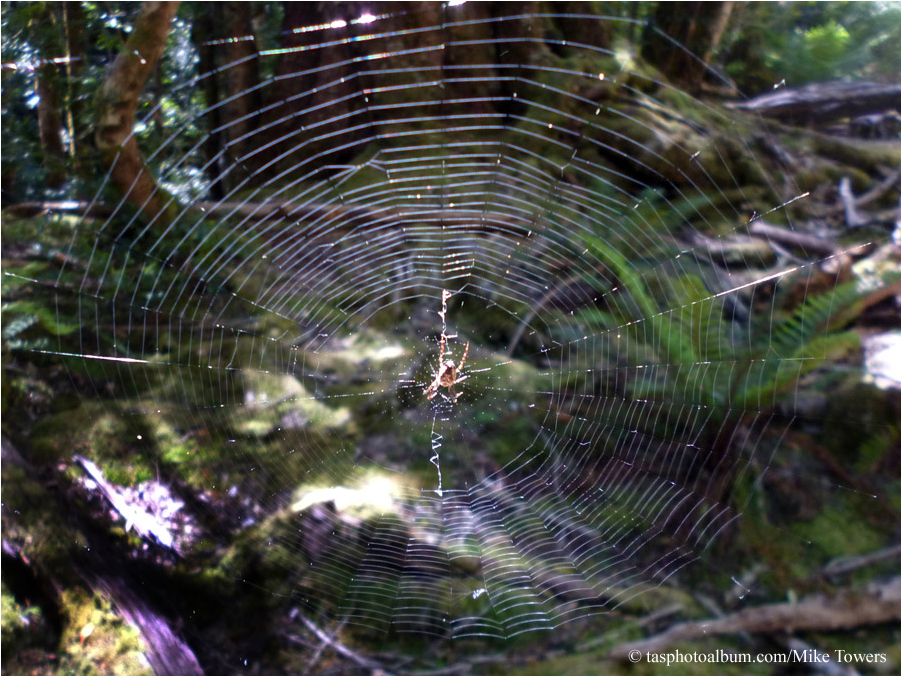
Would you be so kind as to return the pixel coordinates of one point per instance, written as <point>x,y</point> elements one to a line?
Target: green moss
<point>865,155</point>
<point>34,521</point>
<point>26,640</point>
<point>787,561</point>
<point>46,230</point>
<point>876,448</point>
<point>113,437</point>
<point>98,641</point>
<point>17,623</point>
<point>828,531</point>
<point>265,555</point>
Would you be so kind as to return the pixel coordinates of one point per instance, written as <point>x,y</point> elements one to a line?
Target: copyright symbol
<point>635,655</point>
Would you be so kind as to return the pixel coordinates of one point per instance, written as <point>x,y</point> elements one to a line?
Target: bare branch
<point>341,649</point>
<point>812,243</point>
<point>877,603</point>
<point>853,218</point>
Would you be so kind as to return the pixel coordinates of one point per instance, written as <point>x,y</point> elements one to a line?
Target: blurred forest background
<point>121,557</point>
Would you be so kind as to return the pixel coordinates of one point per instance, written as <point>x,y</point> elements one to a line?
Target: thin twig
<point>314,659</point>
<point>874,193</point>
<point>853,218</point>
<point>844,565</point>
<point>343,650</point>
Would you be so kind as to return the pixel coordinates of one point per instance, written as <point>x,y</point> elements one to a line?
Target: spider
<point>446,375</point>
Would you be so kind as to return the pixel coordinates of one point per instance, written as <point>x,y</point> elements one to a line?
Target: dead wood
<point>144,523</point>
<point>165,651</point>
<point>844,565</point>
<point>339,648</point>
<point>853,218</point>
<point>810,243</point>
<point>167,654</point>
<point>28,210</point>
<point>876,603</point>
<point>824,101</point>
<point>856,202</point>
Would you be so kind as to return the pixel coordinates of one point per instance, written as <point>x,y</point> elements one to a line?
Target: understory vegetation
<point>241,240</point>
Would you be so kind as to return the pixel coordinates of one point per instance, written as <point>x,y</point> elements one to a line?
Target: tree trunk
<point>224,36</point>
<point>314,95</point>
<point>117,101</point>
<point>73,18</point>
<point>47,87</point>
<point>242,74</point>
<point>321,91</point>
<point>683,37</point>
<point>202,34</point>
<point>579,29</point>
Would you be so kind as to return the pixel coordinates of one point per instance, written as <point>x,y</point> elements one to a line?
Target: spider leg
<point>432,390</point>
<point>464,358</point>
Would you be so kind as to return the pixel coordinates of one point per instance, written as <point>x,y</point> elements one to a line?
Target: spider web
<point>622,376</point>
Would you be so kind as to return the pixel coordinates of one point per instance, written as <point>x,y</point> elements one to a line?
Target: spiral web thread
<point>571,242</point>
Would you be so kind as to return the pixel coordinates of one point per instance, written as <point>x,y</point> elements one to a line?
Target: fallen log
<point>811,243</point>
<point>101,571</point>
<point>28,210</point>
<point>822,102</point>
<point>876,603</point>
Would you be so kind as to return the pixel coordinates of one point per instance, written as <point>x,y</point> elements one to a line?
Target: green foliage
<point>29,313</point>
<point>795,345</point>
<point>689,351</point>
<point>881,445</point>
<point>18,622</point>
<point>674,326</point>
<point>802,42</point>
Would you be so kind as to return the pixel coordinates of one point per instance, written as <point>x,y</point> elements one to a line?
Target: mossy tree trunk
<point>117,101</point>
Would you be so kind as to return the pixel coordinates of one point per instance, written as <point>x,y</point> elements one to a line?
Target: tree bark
<point>821,102</point>
<point>242,74</point>
<point>203,36</point>
<point>683,39</point>
<point>50,123</point>
<point>47,87</point>
<point>73,18</point>
<point>117,101</point>
<point>228,52</point>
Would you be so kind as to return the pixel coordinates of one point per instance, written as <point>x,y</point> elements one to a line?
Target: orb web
<point>398,197</point>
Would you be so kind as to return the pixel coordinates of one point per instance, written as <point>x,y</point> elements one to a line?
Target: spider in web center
<point>446,376</point>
